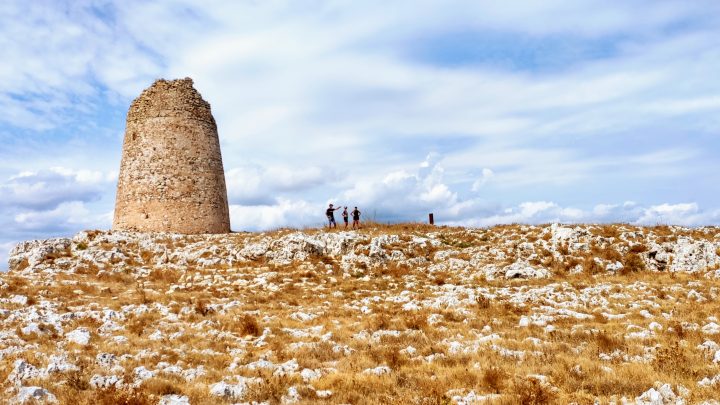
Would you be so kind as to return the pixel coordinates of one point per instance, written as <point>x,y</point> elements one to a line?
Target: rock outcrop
<point>498,253</point>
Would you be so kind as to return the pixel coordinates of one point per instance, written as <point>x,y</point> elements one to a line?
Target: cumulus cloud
<point>531,212</point>
<point>53,202</point>
<point>486,176</point>
<point>339,99</point>
<point>47,189</point>
<point>353,93</point>
<point>403,194</point>
<point>539,212</point>
<point>283,213</point>
<point>681,214</point>
<point>409,196</point>
<point>66,217</point>
<point>5,248</point>
<point>258,185</point>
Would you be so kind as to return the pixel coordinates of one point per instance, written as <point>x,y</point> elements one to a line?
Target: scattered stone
<point>524,270</point>
<point>22,370</point>
<point>711,328</point>
<point>380,370</point>
<point>33,395</point>
<point>80,336</point>
<point>106,360</point>
<point>292,396</point>
<point>663,394</point>
<point>232,391</point>
<point>436,282</point>
<point>60,364</point>
<point>104,382</point>
<point>302,316</point>
<point>324,394</point>
<point>228,391</point>
<point>287,368</point>
<point>309,375</point>
<point>174,399</point>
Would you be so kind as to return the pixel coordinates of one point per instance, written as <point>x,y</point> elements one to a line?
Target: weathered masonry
<point>171,173</point>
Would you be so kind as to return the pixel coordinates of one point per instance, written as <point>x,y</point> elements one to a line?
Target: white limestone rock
<point>524,270</point>
<point>286,369</point>
<point>106,381</point>
<point>662,394</point>
<point>22,370</point>
<point>34,252</point>
<point>232,391</point>
<point>80,336</point>
<point>711,328</point>
<point>309,375</point>
<point>106,360</point>
<point>34,395</point>
<point>296,246</point>
<point>174,399</point>
<point>379,370</point>
<point>59,364</point>
<point>302,316</point>
<point>324,394</point>
<point>693,256</point>
<point>292,396</point>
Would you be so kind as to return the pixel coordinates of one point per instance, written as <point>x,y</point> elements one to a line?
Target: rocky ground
<point>389,314</point>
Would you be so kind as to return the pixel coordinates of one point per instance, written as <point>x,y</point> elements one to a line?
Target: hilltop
<point>404,314</point>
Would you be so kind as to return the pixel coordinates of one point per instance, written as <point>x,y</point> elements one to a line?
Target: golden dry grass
<point>464,332</point>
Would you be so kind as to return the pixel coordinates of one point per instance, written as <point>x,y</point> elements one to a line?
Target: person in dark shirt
<point>356,218</point>
<point>330,212</point>
<point>345,217</point>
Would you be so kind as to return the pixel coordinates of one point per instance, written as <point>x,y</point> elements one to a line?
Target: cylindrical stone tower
<point>171,173</point>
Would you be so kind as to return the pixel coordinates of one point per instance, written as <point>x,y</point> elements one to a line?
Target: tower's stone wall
<point>171,174</point>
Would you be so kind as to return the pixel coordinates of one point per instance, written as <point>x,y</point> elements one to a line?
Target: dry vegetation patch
<point>398,314</point>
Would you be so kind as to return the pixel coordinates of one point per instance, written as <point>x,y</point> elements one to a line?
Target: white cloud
<point>677,214</point>
<point>601,210</point>
<point>402,194</point>
<point>5,248</point>
<point>52,53</point>
<point>284,213</point>
<point>66,217</point>
<point>538,212</point>
<point>486,176</point>
<point>327,99</point>
<point>526,212</point>
<point>45,189</point>
<point>257,185</point>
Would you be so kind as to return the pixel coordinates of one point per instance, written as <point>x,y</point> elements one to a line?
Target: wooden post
<point>432,219</point>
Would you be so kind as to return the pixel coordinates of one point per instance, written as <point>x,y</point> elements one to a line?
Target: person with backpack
<point>356,218</point>
<point>330,213</point>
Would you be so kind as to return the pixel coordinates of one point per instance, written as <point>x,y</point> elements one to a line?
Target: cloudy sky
<point>482,112</point>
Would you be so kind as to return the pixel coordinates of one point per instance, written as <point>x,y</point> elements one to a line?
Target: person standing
<point>356,218</point>
<point>330,213</point>
<point>345,217</point>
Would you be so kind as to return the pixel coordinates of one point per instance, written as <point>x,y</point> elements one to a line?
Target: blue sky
<point>482,112</point>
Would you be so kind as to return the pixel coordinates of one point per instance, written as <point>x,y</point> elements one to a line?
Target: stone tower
<point>171,173</point>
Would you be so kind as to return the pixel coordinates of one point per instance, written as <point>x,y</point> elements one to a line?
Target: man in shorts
<point>356,218</point>
<point>330,213</point>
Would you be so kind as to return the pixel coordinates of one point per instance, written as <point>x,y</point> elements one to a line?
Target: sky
<point>479,111</point>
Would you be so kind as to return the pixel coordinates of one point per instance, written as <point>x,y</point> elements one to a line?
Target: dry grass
<point>632,263</point>
<point>462,334</point>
